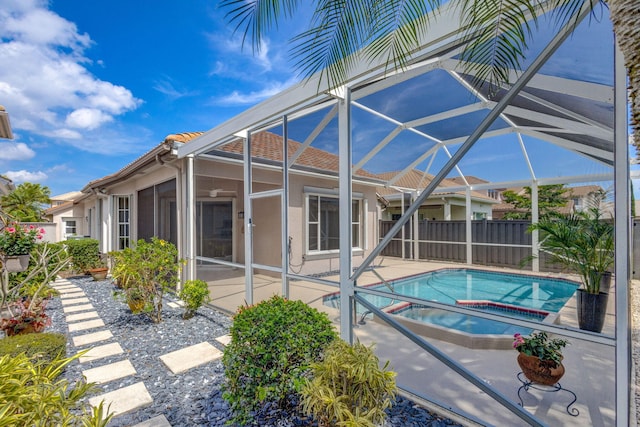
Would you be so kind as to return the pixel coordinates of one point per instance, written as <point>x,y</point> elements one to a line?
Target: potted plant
<point>26,316</point>
<point>16,243</point>
<point>540,358</point>
<point>583,243</point>
<point>99,269</point>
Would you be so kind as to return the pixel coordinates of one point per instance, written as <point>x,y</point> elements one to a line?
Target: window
<point>123,226</point>
<point>479,215</point>
<point>323,223</point>
<point>70,227</point>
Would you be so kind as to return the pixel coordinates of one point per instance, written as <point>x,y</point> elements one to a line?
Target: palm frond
<point>345,32</point>
<point>255,17</point>
<point>496,37</point>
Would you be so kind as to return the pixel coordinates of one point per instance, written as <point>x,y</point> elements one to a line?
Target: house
<point>578,198</point>
<point>442,205</point>
<point>147,198</point>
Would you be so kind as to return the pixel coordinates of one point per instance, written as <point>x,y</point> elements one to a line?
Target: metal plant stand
<point>526,385</point>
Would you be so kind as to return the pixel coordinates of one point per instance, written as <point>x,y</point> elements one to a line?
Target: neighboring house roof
<point>59,208</point>
<point>584,190</point>
<point>414,179</point>
<point>70,196</point>
<point>265,146</point>
<point>5,125</point>
<point>571,192</point>
<point>470,179</point>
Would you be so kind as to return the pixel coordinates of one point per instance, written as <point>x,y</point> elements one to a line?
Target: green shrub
<point>84,253</point>
<point>272,345</point>
<point>145,272</point>
<point>30,395</point>
<point>194,293</point>
<point>38,347</point>
<point>348,387</point>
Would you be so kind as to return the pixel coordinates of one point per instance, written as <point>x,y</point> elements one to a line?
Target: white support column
<point>402,242</point>
<point>416,231</point>
<point>447,210</point>
<point>535,216</point>
<point>191,218</point>
<point>622,247</point>
<point>345,165</point>
<point>285,207</point>
<point>469,239</point>
<point>248,222</point>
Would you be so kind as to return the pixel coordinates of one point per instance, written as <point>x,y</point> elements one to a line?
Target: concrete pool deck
<point>590,369</point>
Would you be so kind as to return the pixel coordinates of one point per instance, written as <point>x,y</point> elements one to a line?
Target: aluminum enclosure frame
<point>445,36</point>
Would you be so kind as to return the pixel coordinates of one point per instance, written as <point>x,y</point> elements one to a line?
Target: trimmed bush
<point>272,346</point>
<point>84,253</point>
<point>348,387</point>
<point>44,347</point>
<point>30,395</point>
<point>194,293</point>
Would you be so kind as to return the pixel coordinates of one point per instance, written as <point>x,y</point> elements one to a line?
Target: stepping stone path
<point>91,335</point>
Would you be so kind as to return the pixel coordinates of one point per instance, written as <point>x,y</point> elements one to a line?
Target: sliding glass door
<point>214,229</point>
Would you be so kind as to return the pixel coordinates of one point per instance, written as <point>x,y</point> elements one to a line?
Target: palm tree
<point>345,32</point>
<point>25,203</point>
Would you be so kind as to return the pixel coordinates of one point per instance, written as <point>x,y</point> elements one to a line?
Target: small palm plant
<point>582,242</point>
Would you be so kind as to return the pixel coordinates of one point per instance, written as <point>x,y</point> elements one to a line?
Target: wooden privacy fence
<point>500,243</point>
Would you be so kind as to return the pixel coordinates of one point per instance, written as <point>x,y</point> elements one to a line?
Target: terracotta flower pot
<point>99,273</point>
<point>543,372</point>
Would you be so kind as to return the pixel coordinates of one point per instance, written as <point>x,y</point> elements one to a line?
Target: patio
<point>590,366</point>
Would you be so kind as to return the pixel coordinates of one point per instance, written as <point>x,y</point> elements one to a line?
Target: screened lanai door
<point>214,229</point>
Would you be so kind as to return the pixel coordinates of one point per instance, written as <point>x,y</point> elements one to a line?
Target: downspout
<point>179,199</point>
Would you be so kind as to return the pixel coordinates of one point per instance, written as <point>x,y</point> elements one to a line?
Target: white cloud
<point>44,82</point>
<point>87,118</point>
<point>168,88</point>
<point>25,176</point>
<point>65,134</point>
<point>15,151</point>
<point>239,98</point>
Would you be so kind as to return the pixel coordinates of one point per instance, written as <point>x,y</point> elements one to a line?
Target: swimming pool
<point>514,295</point>
<point>451,286</point>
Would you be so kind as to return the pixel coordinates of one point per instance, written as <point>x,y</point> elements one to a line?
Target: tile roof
<point>414,179</point>
<point>265,145</point>
<point>268,146</point>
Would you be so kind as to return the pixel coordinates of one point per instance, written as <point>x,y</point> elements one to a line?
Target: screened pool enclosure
<point>311,216</point>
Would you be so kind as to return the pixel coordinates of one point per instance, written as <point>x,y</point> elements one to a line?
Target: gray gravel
<point>192,398</point>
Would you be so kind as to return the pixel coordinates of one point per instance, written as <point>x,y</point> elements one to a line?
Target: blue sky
<point>91,85</point>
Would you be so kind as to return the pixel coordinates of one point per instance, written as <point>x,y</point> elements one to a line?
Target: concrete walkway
<point>89,333</point>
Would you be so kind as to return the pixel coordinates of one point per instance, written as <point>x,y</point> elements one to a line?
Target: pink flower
<point>11,230</point>
<point>39,236</point>
<point>42,231</point>
<point>31,227</point>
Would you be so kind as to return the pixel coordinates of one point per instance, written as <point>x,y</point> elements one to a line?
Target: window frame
<point>320,193</point>
<point>117,210</point>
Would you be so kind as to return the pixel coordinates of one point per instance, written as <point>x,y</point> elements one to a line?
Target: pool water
<point>514,295</point>
<point>467,323</point>
<point>450,286</point>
